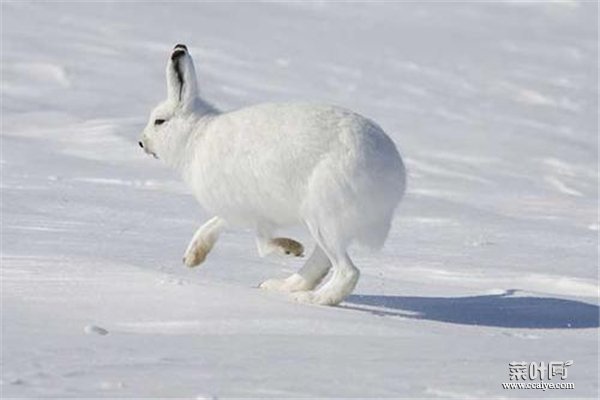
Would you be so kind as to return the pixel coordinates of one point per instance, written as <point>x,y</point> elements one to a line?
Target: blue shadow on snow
<point>498,310</point>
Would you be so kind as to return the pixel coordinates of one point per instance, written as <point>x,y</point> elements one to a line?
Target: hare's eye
<point>159,121</point>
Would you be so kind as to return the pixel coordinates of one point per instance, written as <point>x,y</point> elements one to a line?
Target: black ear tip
<point>176,54</point>
<point>180,46</point>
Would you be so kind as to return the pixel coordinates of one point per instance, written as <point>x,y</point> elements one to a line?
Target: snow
<point>492,257</point>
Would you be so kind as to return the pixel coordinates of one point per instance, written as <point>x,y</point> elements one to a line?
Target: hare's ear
<point>182,87</point>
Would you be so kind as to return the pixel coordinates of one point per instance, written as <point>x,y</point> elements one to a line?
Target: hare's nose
<point>141,144</point>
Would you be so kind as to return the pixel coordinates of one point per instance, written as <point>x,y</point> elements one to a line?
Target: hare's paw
<point>293,283</point>
<point>203,241</point>
<point>196,254</point>
<point>273,284</point>
<point>315,297</point>
<point>304,297</point>
<point>288,246</point>
<point>335,290</point>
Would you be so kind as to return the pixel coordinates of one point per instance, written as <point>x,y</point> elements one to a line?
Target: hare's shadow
<point>498,310</point>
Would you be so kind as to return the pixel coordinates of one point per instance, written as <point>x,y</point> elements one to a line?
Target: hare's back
<point>296,127</point>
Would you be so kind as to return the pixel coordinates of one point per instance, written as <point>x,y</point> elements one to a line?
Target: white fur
<point>203,241</point>
<point>275,165</point>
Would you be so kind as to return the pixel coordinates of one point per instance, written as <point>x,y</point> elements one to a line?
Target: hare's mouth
<point>153,154</point>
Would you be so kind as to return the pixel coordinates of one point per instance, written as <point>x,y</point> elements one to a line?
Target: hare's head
<point>172,120</point>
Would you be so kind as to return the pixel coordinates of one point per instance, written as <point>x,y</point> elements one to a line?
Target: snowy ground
<point>492,257</point>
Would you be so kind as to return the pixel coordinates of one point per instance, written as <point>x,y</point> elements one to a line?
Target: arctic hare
<point>274,165</point>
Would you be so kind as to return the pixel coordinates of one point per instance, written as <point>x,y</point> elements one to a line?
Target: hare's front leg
<point>266,245</point>
<point>203,241</point>
<point>309,276</point>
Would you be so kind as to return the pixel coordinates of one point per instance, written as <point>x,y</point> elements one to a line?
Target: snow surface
<point>492,257</point>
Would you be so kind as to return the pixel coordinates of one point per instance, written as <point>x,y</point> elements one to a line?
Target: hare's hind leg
<point>342,282</point>
<point>307,278</point>
<point>203,241</point>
